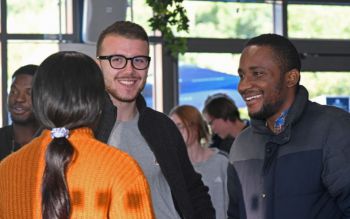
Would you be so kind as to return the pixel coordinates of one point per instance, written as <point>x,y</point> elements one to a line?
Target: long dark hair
<point>68,91</point>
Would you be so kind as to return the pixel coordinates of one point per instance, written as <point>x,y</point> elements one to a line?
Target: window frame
<point>318,55</point>
<point>5,37</point>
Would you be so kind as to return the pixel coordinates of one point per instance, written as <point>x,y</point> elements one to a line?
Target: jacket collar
<point>294,114</point>
<point>140,104</point>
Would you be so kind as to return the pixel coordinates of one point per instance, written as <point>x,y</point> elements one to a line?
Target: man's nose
<point>21,97</point>
<point>129,65</point>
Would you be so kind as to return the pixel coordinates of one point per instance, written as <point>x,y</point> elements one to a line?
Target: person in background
<point>223,117</point>
<point>211,163</point>
<point>24,124</point>
<point>65,172</point>
<point>293,161</point>
<point>147,135</point>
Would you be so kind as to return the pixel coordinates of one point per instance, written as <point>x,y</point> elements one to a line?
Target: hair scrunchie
<point>59,133</point>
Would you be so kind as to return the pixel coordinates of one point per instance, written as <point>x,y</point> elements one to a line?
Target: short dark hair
<point>126,29</point>
<point>222,107</point>
<point>26,70</point>
<point>285,52</point>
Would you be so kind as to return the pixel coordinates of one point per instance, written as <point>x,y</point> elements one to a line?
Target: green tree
<point>230,20</point>
<point>330,83</point>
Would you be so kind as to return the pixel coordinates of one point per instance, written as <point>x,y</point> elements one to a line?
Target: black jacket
<point>301,173</point>
<point>189,193</point>
<point>6,141</point>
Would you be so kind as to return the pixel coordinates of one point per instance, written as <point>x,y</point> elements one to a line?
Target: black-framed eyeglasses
<point>120,61</point>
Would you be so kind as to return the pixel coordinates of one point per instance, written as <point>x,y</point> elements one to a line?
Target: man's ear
<point>292,78</point>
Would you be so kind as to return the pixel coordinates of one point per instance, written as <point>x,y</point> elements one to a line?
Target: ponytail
<point>60,107</point>
<point>55,197</point>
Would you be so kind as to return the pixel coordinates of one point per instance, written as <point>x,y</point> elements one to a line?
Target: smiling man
<point>19,102</point>
<point>293,161</point>
<point>148,136</point>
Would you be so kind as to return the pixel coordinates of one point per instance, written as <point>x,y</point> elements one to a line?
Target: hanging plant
<point>169,14</point>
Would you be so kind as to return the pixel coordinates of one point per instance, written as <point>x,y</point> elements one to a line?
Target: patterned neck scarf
<point>280,122</point>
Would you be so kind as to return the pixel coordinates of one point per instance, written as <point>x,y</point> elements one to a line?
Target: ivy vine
<point>169,14</point>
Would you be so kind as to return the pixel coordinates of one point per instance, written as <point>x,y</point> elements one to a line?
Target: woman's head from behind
<point>190,123</point>
<point>67,93</point>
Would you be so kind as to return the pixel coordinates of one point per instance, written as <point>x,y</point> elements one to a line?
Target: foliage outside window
<point>319,21</point>
<point>39,16</point>
<point>167,15</point>
<point>206,19</point>
<point>210,19</point>
<point>326,83</point>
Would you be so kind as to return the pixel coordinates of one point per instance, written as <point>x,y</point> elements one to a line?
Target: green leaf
<point>170,14</point>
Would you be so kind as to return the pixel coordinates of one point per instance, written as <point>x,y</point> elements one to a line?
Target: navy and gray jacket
<point>301,173</point>
<point>190,195</point>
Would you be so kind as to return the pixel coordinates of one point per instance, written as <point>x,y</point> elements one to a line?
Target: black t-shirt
<point>6,141</point>
<point>222,144</point>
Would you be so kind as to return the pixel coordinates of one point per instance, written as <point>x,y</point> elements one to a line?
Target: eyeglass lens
<point>138,62</point>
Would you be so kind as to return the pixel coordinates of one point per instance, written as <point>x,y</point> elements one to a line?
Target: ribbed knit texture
<point>103,181</point>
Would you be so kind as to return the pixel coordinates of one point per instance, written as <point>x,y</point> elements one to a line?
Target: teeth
<point>127,82</point>
<point>18,108</point>
<point>252,97</point>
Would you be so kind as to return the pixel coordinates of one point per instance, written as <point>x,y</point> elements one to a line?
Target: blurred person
<point>65,172</point>
<point>147,135</point>
<point>223,117</point>
<point>24,124</point>
<point>293,161</point>
<point>211,163</point>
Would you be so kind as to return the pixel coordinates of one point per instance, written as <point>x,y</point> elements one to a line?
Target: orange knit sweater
<point>103,182</point>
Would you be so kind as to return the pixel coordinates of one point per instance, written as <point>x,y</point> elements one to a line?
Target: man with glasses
<point>147,135</point>
<point>222,115</point>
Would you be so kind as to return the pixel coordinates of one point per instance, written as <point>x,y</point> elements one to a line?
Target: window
<point>39,16</point>
<point>331,88</point>
<point>326,83</point>
<point>210,19</point>
<point>217,33</point>
<point>204,74</point>
<point>319,21</point>
<point>139,12</point>
<point>24,52</point>
<point>34,29</point>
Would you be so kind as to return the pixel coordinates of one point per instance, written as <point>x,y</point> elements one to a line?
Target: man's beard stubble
<point>269,109</point>
<point>28,121</point>
<point>127,100</point>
